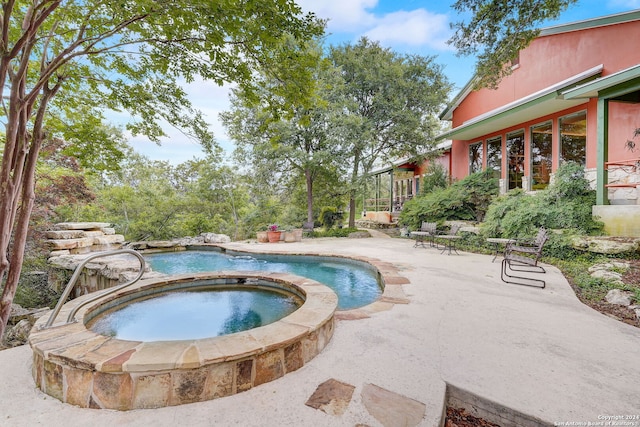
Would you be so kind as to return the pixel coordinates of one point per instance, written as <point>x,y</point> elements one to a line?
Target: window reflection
<point>475,157</point>
<point>515,151</point>
<point>573,138</point>
<point>494,156</point>
<point>541,156</point>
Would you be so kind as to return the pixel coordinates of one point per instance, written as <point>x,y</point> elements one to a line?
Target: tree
<point>390,106</point>
<point>498,30</point>
<point>70,58</point>
<point>298,143</point>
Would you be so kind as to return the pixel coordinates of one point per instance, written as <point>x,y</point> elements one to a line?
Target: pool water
<point>195,314</point>
<point>355,285</point>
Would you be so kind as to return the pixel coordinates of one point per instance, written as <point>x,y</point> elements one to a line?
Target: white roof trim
<point>590,89</point>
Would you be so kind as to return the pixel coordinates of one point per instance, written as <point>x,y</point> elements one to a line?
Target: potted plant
<point>273,234</point>
<point>262,236</point>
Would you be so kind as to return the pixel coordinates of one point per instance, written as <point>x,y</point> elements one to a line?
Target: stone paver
<point>392,409</point>
<point>331,397</point>
<point>540,352</point>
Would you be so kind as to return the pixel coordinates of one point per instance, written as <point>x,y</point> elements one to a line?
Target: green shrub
<point>436,178</point>
<point>334,232</point>
<point>466,200</point>
<point>565,204</point>
<point>330,217</point>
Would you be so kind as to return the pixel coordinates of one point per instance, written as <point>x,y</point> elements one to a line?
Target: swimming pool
<point>356,283</point>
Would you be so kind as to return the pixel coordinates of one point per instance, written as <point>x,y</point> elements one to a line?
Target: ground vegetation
<point>465,200</point>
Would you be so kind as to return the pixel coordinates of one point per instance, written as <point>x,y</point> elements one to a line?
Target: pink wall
<point>627,120</point>
<point>551,59</point>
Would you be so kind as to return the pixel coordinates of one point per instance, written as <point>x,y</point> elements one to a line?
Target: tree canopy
<point>68,59</point>
<point>298,145</point>
<point>497,30</point>
<point>390,104</point>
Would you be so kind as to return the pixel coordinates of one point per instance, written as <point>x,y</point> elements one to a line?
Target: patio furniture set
<point>518,255</point>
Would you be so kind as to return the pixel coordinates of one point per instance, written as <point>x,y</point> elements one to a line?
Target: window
<point>494,156</point>
<point>573,138</point>
<point>515,159</point>
<point>541,155</point>
<point>475,157</point>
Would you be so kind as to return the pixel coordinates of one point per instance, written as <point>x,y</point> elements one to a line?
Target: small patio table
<point>498,243</point>
<point>420,236</point>
<point>449,243</point>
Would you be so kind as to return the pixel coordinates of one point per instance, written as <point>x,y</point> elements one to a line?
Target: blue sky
<point>406,26</point>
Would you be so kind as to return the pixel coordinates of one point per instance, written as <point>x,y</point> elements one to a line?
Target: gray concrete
<point>538,351</point>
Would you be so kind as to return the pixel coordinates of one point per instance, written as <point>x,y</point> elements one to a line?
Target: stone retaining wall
<point>75,238</point>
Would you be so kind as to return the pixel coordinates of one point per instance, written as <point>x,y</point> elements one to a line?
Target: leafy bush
<point>565,204</point>
<point>330,217</point>
<point>334,232</point>
<point>34,291</point>
<point>466,200</point>
<point>436,178</point>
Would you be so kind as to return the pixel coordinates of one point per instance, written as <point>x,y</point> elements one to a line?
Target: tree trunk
<point>19,243</point>
<point>309,180</point>
<point>354,190</point>
<point>352,208</point>
<point>25,149</point>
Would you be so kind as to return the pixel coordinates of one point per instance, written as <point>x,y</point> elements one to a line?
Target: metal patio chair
<point>523,256</point>
<point>450,239</point>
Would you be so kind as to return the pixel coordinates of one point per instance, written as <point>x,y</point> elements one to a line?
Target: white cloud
<point>415,28</point>
<point>343,15</point>
<point>418,27</point>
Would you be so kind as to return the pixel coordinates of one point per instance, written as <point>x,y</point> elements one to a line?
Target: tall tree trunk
<point>20,193</point>
<point>309,180</point>
<point>352,208</point>
<point>19,241</point>
<point>353,192</point>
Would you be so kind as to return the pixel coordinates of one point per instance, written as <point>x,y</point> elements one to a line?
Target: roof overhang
<point>398,164</point>
<point>624,81</point>
<point>544,102</point>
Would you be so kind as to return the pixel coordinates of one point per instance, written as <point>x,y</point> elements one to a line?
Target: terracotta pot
<point>273,236</point>
<point>262,236</point>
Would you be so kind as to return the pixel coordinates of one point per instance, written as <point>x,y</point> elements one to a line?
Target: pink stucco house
<point>573,95</point>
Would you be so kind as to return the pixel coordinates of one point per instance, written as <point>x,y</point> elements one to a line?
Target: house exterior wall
<point>551,59</point>
<point>547,61</point>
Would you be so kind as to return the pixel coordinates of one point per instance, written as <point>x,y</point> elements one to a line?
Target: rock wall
<point>76,238</point>
<point>70,241</point>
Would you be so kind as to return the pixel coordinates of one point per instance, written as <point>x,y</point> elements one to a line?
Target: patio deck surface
<point>538,352</point>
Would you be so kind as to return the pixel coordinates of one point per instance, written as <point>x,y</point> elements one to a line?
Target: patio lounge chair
<point>524,256</point>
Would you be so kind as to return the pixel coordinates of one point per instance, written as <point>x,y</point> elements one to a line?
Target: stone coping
<point>81,367</point>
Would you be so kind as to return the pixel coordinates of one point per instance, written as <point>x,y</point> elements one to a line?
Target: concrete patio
<point>539,353</point>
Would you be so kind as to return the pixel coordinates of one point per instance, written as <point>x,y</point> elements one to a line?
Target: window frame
<point>492,141</point>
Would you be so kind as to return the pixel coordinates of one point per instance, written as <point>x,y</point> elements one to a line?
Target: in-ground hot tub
<point>79,366</point>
